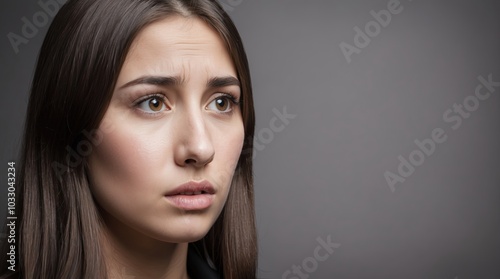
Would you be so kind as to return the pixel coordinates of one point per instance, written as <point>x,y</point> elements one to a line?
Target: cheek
<point>228,150</point>
<point>122,164</point>
<point>128,151</point>
<point>118,156</point>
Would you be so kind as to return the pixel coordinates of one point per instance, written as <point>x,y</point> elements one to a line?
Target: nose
<point>194,145</point>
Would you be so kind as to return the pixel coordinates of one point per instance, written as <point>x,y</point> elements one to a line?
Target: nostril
<point>190,161</point>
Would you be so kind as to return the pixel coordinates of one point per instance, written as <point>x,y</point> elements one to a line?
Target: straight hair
<point>78,65</point>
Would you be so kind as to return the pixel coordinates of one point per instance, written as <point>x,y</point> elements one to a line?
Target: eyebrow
<point>223,81</point>
<point>173,81</point>
<point>154,80</point>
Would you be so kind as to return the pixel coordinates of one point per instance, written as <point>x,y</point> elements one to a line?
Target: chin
<point>184,229</point>
<point>185,236</point>
<point>190,237</point>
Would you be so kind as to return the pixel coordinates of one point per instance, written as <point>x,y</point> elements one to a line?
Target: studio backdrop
<point>377,148</point>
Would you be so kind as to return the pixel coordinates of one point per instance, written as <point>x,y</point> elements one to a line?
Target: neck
<point>130,254</point>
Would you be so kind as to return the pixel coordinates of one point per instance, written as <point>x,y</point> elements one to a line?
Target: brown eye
<point>155,104</point>
<point>221,104</point>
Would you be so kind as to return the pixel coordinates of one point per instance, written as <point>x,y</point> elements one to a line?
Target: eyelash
<point>229,97</point>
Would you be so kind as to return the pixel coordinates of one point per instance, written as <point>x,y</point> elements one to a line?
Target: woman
<point>136,160</point>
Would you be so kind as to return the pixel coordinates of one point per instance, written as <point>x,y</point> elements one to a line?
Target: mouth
<point>192,195</point>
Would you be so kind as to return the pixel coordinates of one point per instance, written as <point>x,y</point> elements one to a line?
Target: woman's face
<point>173,119</point>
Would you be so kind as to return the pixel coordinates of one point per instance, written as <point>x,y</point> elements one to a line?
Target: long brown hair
<point>77,68</point>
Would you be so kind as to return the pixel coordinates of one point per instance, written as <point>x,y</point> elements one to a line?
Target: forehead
<point>178,45</point>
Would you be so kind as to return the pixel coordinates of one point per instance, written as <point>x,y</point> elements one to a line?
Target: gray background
<point>323,174</point>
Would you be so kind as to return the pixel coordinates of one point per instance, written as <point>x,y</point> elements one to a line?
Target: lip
<point>192,195</point>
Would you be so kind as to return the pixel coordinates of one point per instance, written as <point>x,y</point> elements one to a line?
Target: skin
<point>185,132</point>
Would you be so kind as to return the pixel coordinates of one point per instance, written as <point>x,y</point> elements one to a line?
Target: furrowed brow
<point>154,80</point>
<point>223,81</point>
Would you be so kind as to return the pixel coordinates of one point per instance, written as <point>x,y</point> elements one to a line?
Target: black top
<point>197,266</point>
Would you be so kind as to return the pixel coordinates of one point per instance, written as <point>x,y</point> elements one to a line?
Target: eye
<point>153,104</point>
<point>223,103</point>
